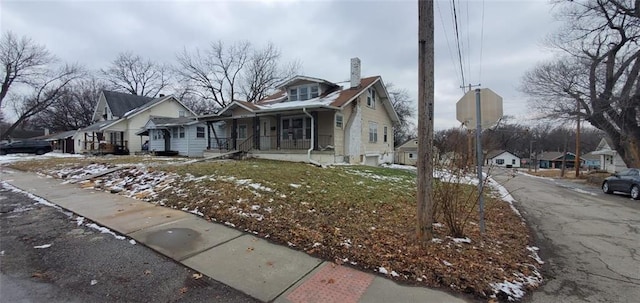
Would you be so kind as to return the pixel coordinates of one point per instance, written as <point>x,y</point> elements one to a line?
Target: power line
<point>446,37</point>
<point>468,49</point>
<point>455,20</point>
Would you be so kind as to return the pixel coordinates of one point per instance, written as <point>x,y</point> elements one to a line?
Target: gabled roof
<point>494,153</point>
<point>334,98</point>
<point>97,126</point>
<point>304,78</point>
<point>121,103</point>
<point>549,156</point>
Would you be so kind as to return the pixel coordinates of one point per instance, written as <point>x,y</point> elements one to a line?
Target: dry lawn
<point>358,216</point>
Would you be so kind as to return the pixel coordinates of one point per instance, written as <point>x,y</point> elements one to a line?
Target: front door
<point>265,134</point>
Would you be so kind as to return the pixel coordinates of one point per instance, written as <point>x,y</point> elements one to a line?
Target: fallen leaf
<point>183,290</point>
<point>269,263</point>
<point>38,275</point>
<point>331,281</point>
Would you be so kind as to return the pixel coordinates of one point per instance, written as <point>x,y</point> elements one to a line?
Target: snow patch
<point>43,246</point>
<point>383,270</point>
<point>104,230</point>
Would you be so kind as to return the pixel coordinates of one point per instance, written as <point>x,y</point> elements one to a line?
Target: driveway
<point>590,241</point>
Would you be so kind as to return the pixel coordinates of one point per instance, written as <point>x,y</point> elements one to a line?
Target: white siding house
<point>610,160</point>
<point>185,135</point>
<point>502,158</point>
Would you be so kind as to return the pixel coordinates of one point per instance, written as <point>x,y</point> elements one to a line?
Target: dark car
<point>626,181</point>
<point>38,147</point>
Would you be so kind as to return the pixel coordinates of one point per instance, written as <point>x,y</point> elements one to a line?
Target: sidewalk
<point>266,271</point>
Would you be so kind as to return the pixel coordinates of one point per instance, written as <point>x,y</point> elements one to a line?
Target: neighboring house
<point>555,159</point>
<point>313,120</point>
<point>407,153</point>
<point>62,142</point>
<point>118,117</point>
<point>502,158</point>
<point>610,160</point>
<point>185,135</point>
<point>590,160</point>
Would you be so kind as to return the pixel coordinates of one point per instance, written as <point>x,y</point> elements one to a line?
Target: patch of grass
<point>358,215</point>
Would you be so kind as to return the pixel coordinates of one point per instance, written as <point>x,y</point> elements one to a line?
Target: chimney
<point>46,131</point>
<point>355,72</point>
<point>161,95</point>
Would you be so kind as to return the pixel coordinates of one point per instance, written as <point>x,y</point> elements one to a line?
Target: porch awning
<point>608,152</point>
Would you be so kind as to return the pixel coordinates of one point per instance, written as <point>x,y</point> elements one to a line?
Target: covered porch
<point>97,139</point>
<point>285,132</point>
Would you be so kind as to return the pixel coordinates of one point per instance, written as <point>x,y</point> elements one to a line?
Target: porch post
<point>278,131</point>
<point>122,139</point>
<point>315,130</point>
<point>256,132</point>
<point>208,135</point>
<point>234,134</point>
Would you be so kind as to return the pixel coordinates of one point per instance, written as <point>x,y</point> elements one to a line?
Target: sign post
<point>486,113</point>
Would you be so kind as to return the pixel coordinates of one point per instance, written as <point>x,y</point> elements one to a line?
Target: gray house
<point>185,136</point>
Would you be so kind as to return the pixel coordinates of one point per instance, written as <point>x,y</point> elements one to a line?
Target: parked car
<point>626,181</point>
<point>38,147</point>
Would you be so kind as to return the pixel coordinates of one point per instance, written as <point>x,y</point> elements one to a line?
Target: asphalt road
<point>84,265</point>
<point>590,241</point>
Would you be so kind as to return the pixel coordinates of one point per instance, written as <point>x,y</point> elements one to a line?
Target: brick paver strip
<point>333,283</point>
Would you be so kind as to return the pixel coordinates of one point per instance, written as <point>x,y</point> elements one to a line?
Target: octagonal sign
<point>490,108</point>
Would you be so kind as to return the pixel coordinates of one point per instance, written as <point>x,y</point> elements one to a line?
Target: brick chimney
<point>355,72</point>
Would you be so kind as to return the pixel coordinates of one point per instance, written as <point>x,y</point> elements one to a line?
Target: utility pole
<point>424,227</point>
<point>577,163</point>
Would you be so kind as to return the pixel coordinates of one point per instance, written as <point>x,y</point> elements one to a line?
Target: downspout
<point>311,147</point>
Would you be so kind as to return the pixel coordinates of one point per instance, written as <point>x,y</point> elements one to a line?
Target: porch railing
<point>325,142</point>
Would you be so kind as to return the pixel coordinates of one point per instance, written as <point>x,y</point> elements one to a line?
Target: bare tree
<point>598,78</point>
<point>223,73</point>
<point>74,109</point>
<point>264,71</point>
<point>402,103</point>
<point>45,91</point>
<point>135,75</point>
<point>22,61</point>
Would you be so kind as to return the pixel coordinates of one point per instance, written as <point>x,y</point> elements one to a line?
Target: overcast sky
<point>322,35</point>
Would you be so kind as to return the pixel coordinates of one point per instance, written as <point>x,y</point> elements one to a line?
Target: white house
<point>610,160</point>
<point>502,158</point>
<point>407,152</point>
<point>186,135</point>
<point>118,117</point>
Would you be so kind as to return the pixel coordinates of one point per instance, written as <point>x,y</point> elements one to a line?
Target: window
<point>181,132</point>
<point>410,155</point>
<point>199,132</point>
<point>155,135</point>
<point>175,133</point>
<point>384,134</point>
<point>513,161</point>
<point>371,98</point>
<point>296,128</point>
<point>304,92</point>
<point>181,113</point>
<point>373,132</point>
<point>499,161</point>
<point>242,131</point>
<point>338,121</point>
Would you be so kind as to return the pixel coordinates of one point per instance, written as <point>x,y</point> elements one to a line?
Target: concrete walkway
<point>266,271</point>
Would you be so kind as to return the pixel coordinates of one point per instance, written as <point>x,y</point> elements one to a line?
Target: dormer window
<point>304,92</point>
